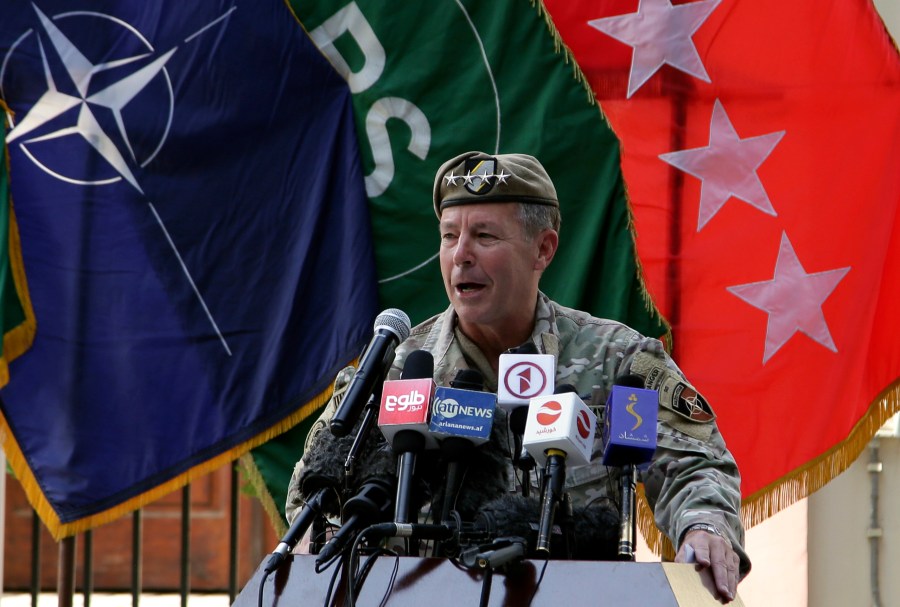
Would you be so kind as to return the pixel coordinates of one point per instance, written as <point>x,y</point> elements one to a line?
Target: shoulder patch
<point>687,402</point>
<point>675,394</point>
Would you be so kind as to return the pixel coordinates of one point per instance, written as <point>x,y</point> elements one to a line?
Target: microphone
<point>595,525</point>
<point>321,477</point>
<point>371,503</point>
<point>463,413</point>
<point>559,426</point>
<point>629,439</point>
<point>523,374</point>
<point>391,327</point>
<point>462,417</point>
<point>322,500</point>
<point>629,426</point>
<point>403,419</point>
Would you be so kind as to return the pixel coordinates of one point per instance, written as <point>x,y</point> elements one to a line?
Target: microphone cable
<point>537,584</point>
<point>356,576</point>
<point>333,580</point>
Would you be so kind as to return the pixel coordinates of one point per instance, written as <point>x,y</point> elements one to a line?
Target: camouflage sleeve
<point>693,478</point>
<point>692,481</point>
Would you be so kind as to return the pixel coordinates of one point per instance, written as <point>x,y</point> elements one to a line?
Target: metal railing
<point>66,581</point>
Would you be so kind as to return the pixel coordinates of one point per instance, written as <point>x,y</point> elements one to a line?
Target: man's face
<point>490,268</point>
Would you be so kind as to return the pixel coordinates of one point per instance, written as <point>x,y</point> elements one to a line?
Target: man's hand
<point>715,552</point>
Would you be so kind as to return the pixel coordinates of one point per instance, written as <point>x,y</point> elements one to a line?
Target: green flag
<point>431,80</point>
<point>16,315</point>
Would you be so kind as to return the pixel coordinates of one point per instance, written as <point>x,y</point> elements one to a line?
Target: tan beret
<point>476,177</point>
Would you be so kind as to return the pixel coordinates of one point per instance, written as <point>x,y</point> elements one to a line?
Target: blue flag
<point>195,236</point>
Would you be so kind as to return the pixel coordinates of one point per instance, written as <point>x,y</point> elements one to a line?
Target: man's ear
<point>547,243</point>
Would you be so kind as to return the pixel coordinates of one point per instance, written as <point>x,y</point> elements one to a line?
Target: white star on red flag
<point>793,300</point>
<point>660,34</point>
<point>727,166</point>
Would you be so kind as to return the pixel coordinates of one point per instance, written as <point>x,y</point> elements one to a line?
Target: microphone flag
<point>629,428</point>
<point>462,413</point>
<point>563,422</point>
<point>405,404</point>
<point>524,376</point>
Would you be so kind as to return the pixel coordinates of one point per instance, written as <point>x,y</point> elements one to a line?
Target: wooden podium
<point>438,582</point>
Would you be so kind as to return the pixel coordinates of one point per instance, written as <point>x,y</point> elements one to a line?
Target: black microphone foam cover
<point>419,364</point>
<point>379,462</point>
<point>630,380</point>
<point>468,379</point>
<point>596,529</point>
<point>512,514</point>
<point>595,526</point>
<point>324,465</point>
<point>527,348</point>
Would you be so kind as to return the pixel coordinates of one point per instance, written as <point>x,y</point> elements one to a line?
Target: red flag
<point>761,146</point>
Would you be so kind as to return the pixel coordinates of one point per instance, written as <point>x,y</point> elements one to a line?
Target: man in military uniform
<point>499,230</point>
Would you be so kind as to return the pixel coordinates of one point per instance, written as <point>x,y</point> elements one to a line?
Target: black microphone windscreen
<point>378,463</point>
<point>468,379</point>
<point>563,388</point>
<point>595,526</point>
<point>630,381</point>
<point>527,348</point>
<point>324,461</point>
<point>419,364</point>
<point>512,515</point>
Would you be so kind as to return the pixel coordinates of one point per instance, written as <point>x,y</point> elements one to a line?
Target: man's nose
<point>463,255</point>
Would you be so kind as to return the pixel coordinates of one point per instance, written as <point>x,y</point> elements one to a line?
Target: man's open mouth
<point>468,287</point>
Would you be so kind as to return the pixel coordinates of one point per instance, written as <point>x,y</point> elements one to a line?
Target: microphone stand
<point>368,421</point>
<point>628,513</point>
<point>521,458</point>
<point>409,443</point>
<point>554,478</point>
<point>310,512</point>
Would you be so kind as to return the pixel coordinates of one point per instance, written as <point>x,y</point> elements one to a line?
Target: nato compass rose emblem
<point>83,101</point>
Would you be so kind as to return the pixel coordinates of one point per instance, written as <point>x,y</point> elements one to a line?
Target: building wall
<point>839,520</point>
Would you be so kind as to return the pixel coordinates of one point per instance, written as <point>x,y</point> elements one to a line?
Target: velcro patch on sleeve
<point>692,413</point>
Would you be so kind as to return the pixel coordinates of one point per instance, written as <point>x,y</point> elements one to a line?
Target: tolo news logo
<point>411,401</point>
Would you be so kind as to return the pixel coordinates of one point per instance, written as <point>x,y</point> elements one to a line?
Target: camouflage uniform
<point>693,477</point>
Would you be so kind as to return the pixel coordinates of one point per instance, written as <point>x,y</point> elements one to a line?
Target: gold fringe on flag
<point>796,485</point>
<point>18,339</point>
<point>60,530</point>
<point>816,473</point>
